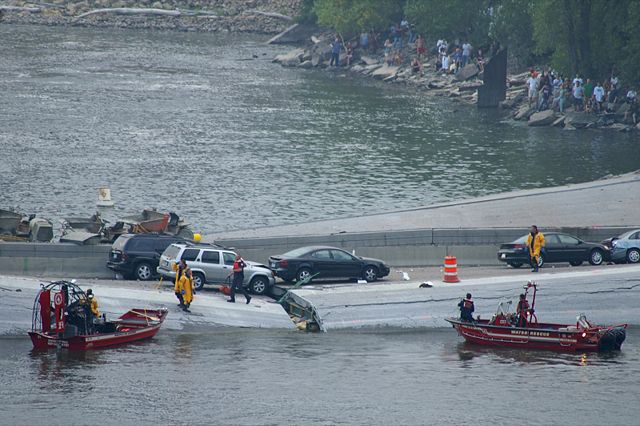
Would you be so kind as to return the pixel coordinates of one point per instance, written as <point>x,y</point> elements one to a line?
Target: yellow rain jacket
<point>538,243</point>
<point>94,307</point>
<point>186,284</point>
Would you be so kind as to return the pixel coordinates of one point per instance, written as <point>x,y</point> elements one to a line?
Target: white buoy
<point>104,198</point>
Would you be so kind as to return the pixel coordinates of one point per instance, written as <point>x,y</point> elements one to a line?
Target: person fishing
<point>521,310</point>
<point>466,308</point>
<point>238,280</point>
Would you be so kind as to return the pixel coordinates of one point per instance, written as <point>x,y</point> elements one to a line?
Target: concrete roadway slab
<point>608,202</point>
<point>116,297</point>
<point>606,295</point>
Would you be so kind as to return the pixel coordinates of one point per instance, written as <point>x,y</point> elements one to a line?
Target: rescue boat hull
<point>135,325</point>
<point>540,336</point>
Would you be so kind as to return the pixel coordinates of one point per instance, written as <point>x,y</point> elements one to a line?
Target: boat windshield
<point>504,307</point>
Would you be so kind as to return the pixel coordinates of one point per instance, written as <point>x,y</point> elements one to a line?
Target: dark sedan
<point>327,262</point>
<point>558,248</point>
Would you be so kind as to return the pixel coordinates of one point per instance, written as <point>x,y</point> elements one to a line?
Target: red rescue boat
<point>508,330</point>
<point>62,319</point>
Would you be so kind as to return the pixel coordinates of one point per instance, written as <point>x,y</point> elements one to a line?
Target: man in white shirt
<point>466,53</point>
<point>598,96</point>
<point>532,82</point>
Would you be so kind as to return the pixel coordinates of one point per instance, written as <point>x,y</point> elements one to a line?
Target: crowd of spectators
<point>553,91</point>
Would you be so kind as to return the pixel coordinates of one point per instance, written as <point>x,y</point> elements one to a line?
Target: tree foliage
<point>351,16</point>
<point>451,19</point>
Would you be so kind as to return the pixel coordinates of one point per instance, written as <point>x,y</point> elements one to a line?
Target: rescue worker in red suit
<point>522,310</point>
<point>238,280</point>
<point>466,308</point>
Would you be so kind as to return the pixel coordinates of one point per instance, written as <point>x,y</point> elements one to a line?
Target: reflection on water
<point>158,115</point>
<point>468,351</point>
<point>241,376</point>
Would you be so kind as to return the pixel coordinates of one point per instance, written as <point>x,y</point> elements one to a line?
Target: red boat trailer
<point>68,324</point>
<point>501,330</point>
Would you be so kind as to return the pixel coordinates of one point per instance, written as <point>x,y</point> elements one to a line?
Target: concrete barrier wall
<point>399,248</point>
<point>55,260</point>
<point>411,248</point>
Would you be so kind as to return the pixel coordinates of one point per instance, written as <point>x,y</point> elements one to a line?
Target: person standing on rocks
<point>421,49</point>
<point>336,46</point>
<point>535,244</point>
<point>598,97</point>
<point>578,96</point>
<point>466,53</point>
<point>532,82</point>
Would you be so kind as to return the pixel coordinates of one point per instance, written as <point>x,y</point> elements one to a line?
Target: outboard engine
<point>612,339</point>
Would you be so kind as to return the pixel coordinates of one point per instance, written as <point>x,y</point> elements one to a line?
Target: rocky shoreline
<point>254,16</point>
<point>461,87</point>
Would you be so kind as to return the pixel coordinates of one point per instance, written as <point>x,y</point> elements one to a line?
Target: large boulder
<point>367,60</point>
<point>524,112</point>
<point>384,72</point>
<point>290,59</point>
<point>581,120</point>
<point>470,70</point>
<point>542,118</point>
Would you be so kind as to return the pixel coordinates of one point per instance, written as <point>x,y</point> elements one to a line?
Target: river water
<point>194,123</point>
<point>390,377</point>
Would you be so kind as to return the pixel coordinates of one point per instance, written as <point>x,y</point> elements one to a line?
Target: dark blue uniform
<point>466,310</point>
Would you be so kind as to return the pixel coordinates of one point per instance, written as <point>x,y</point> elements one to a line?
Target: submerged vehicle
<point>511,330</point>
<point>62,319</point>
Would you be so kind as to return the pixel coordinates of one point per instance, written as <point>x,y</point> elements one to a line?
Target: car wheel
<point>596,257</point>
<point>143,271</point>
<point>370,274</point>
<point>575,263</point>
<point>198,280</point>
<point>259,285</point>
<point>633,255</point>
<point>303,274</point>
<point>515,264</point>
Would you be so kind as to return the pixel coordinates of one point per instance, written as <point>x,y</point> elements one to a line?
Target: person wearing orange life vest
<point>238,280</point>
<point>535,244</point>
<point>466,308</point>
<point>522,310</point>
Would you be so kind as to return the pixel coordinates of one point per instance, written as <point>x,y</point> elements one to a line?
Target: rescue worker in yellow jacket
<point>183,287</point>
<point>535,244</point>
<point>188,291</point>
<point>90,304</point>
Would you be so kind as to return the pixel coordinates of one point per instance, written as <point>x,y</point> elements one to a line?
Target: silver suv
<point>211,264</point>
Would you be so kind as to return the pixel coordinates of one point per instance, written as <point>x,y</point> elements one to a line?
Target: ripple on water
<point>151,114</point>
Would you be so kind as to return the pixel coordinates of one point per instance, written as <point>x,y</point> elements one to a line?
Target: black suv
<point>136,256</point>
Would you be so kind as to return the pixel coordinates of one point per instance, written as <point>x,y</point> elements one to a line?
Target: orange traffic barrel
<point>451,270</point>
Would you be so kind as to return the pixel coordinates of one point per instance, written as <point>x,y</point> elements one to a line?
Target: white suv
<point>211,264</point>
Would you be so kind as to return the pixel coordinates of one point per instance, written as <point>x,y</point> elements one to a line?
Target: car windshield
<point>521,240</point>
<point>297,252</point>
<point>171,252</point>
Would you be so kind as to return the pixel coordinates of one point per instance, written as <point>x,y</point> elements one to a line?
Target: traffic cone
<point>451,270</point>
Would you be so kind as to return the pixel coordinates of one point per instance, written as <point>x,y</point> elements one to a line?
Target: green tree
<point>451,19</point>
<point>512,27</point>
<point>351,16</point>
